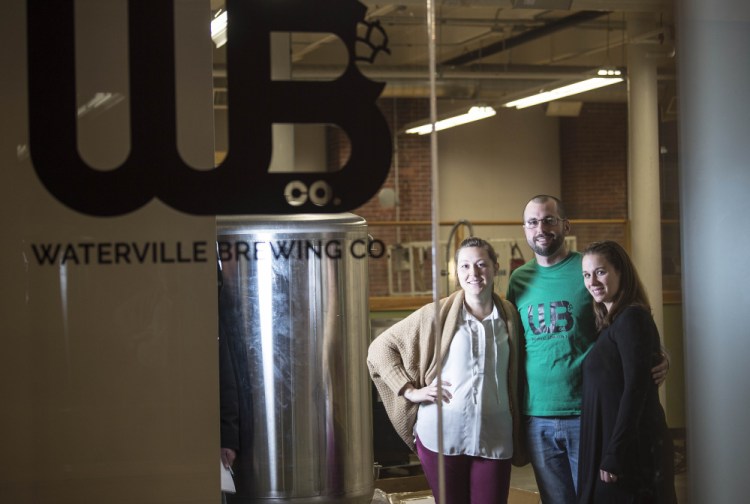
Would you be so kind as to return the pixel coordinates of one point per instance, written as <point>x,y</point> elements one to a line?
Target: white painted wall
<point>491,168</point>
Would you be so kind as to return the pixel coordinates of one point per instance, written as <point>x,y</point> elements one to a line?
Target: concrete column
<point>714,185</point>
<point>644,201</point>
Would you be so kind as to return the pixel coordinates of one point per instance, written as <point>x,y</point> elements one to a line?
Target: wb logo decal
<point>560,318</point>
<point>241,184</point>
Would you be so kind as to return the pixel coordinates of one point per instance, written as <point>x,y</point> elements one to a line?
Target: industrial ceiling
<point>489,50</point>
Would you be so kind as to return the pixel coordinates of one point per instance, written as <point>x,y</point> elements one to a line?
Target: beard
<point>555,243</point>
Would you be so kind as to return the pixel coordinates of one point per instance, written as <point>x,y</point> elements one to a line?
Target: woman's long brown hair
<point>631,292</point>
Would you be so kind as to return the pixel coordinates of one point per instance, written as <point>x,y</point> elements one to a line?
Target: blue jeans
<point>553,448</point>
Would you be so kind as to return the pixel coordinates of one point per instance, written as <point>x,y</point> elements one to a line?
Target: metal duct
<point>525,37</point>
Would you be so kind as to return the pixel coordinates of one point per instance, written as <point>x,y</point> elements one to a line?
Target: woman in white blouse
<point>479,351</point>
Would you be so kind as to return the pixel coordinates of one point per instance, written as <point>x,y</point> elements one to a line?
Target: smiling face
<point>475,271</point>
<point>601,279</point>
<point>547,240</point>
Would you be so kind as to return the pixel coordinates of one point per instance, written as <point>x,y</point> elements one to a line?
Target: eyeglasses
<point>549,221</point>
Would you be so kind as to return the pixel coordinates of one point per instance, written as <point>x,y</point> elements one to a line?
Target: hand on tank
<point>227,457</point>
<point>607,477</point>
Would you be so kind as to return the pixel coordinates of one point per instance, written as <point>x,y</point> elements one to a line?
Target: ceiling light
<point>605,77</point>
<point>219,28</point>
<point>474,114</point>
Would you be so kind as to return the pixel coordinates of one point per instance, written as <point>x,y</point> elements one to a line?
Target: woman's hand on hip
<point>428,393</point>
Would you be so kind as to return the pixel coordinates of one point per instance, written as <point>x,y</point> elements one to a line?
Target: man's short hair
<point>544,198</point>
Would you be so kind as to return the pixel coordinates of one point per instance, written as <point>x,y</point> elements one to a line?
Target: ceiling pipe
<point>525,37</point>
<point>578,5</point>
<point>311,47</point>
<point>419,72</point>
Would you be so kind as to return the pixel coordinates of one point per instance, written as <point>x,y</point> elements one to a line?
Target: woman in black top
<point>626,453</point>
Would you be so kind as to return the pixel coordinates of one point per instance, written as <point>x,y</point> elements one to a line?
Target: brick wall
<point>412,153</point>
<point>594,167</point>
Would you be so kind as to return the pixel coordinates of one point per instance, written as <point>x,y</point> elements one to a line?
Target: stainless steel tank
<point>294,309</point>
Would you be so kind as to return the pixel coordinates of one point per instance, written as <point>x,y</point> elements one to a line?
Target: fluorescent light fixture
<point>474,114</point>
<point>219,28</point>
<point>605,77</point>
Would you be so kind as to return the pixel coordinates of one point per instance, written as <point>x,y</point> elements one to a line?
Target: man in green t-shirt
<point>558,321</point>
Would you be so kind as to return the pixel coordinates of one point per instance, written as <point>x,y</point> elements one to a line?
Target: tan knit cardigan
<point>405,353</point>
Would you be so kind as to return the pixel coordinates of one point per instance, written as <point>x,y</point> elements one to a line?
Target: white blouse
<point>477,420</point>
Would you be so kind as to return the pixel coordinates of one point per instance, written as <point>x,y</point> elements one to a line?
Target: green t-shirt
<point>559,329</point>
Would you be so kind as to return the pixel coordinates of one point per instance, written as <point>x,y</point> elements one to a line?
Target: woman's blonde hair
<point>473,241</point>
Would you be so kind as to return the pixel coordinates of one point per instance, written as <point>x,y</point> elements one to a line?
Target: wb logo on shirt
<point>241,184</point>
<point>557,312</point>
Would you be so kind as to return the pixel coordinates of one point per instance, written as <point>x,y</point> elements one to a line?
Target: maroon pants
<point>468,480</point>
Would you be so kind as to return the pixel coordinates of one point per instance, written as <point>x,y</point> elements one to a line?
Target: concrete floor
<point>523,478</point>
<point>409,477</point>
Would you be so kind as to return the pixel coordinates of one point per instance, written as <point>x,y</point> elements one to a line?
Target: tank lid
<point>240,224</point>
